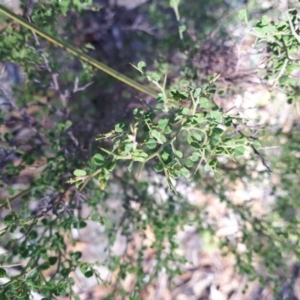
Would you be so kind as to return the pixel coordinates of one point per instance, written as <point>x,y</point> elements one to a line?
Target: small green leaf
<point>217,116</point>
<point>175,174</point>
<point>98,159</point>
<point>33,235</point>
<point>217,176</point>
<point>256,144</point>
<point>168,129</point>
<point>77,255</point>
<point>95,217</point>
<point>127,148</point>
<point>3,232</point>
<point>138,113</point>
<point>228,121</point>
<point>68,124</point>
<point>195,156</point>
<point>166,157</point>
<point>158,136</point>
<point>178,154</point>
<point>79,173</point>
<point>282,26</point>
<point>283,79</point>
<point>89,46</point>
<point>189,163</point>
<point>197,92</point>
<point>120,127</point>
<point>265,20</point>
<point>184,111</point>
<point>243,14</point>
<point>230,143</point>
<point>189,139</point>
<point>162,123</point>
<point>9,219</point>
<point>205,103</point>
<point>208,168</point>
<point>198,118</point>
<point>238,151</point>
<point>151,143</point>
<point>139,155</point>
<point>197,136</point>
<point>185,172</point>
<point>141,66</point>
<point>153,77</point>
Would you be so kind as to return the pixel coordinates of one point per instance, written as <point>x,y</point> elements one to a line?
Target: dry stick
<point>74,51</point>
<point>54,76</point>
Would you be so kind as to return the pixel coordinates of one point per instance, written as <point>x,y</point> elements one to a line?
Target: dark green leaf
<point>89,273</point>
<point>2,272</point>
<point>52,260</point>
<point>195,145</point>
<point>111,165</point>
<point>98,159</point>
<point>77,255</point>
<point>82,224</point>
<point>158,167</point>
<point>44,266</point>
<point>166,157</point>
<point>178,95</point>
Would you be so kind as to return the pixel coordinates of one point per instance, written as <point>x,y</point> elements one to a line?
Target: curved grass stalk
<point>82,56</point>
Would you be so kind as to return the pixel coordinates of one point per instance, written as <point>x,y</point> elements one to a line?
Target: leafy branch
<point>77,53</point>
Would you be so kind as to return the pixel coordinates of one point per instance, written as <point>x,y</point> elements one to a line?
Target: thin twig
<point>79,89</point>
<point>294,33</point>
<point>262,159</point>
<point>280,73</point>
